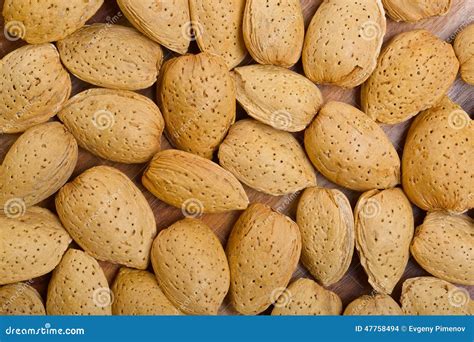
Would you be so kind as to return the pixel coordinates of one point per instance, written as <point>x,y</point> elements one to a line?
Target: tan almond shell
<point>266,159</point>
<point>32,245</point>
<point>165,22</point>
<point>274,31</point>
<point>351,150</point>
<point>196,95</point>
<point>414,72</point>
<point>326,223</point>
<point>464,48</point>
<point>20,299</point>
<point>378,304</point>
<point>78,287</point>
<point>117,125</point>
<point>437,163</point>
<point>263,252</point>
<point>194,184</point>
<point>343,42</point>
<point>108,216</point>
<point>444,246</point>
<point>136,292</point>
<point>112,56</point>
<point>39,162</point>
<point>218,28</point>
<point>276,96</point>
<point>433,296</point>
<point>305,297</point>
<point>411,11</point>
<point>46,21</point>
<point>191,267</point>
<point>384,229</point>
<point>33,87</point>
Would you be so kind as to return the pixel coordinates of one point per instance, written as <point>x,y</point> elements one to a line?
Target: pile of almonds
<point>219,156</point>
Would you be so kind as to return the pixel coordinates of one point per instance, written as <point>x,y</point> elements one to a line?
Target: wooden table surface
<point>354,283</point>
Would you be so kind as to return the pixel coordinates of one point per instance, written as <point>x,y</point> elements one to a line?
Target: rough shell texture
<point>137,292</point>
<point>306,297</point>
<point>274,31</point>
<point>46,21</point>
<point>166,22</point>
<point>408,10</point>
<point>464,48</point>
<point>78,287</point>
<point>112,56</point>
<point>191,267</point>
<point>31,245</point>
<point>351,150</point>
<point>326,223</point>
<point>343,42</point>
<point>377,304</point>
<point>444,246</point>
<point>194,184</point>
<point>413,73</point>
<point>39,162</point>
<point>263,251</point>
<point>108,216</point>
<point>196,94</point>
<point>218,28</point>
<point>384,229</point>
<point>20,299</point>
<point>266,159</point>
<point>118,125</point>
<point>33,87</point>
<point>433,296</point>
<point>437,164</point>
<point>277,96</point>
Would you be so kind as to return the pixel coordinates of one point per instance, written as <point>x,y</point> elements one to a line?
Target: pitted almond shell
<point>20,299</point>
<point>433,296</point>
<point>351,150</point>
<point>78,287</point>
<point>274,31</point>
<point>276,96</point>
<point>33,87</point>
<point>373,305</point>
<point>196,95</point>
<point>218,28</point>
<point>46,21</point>
<point>165,22</point>
<point>444,246</point>
<point>136,292</point>
<point>414,72</point>
<point>39,162</point>
<point>384,229</point>
<point>402,10</point>
<point>32,245</point>
<point>326,223</point>
<point>191,267</point>
<point>263,252</point>
<point>112,56</point>
<point>344,52</point>
<point>437,164</point>
<point>266,159</point>
<point>193,183</point>
<point>108,216</point>
<point>464,48</point>
<point>117,125</point>
<point>305,297</point>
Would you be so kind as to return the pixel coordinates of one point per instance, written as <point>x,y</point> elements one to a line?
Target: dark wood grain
<point>354,283</point>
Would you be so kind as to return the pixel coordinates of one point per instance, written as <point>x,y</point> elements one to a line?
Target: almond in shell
<point>108,216</point>
<point>276,96</point>
<point>378,304</point>
<point>191,267</point>
<point>263,252</point>
<point>402,10</point>
<point>351,150</point>
<point>117,125</point>
<point>266,159</point>
<point>20,299</point>
<point>384,229</point>
<point>464,48</point>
